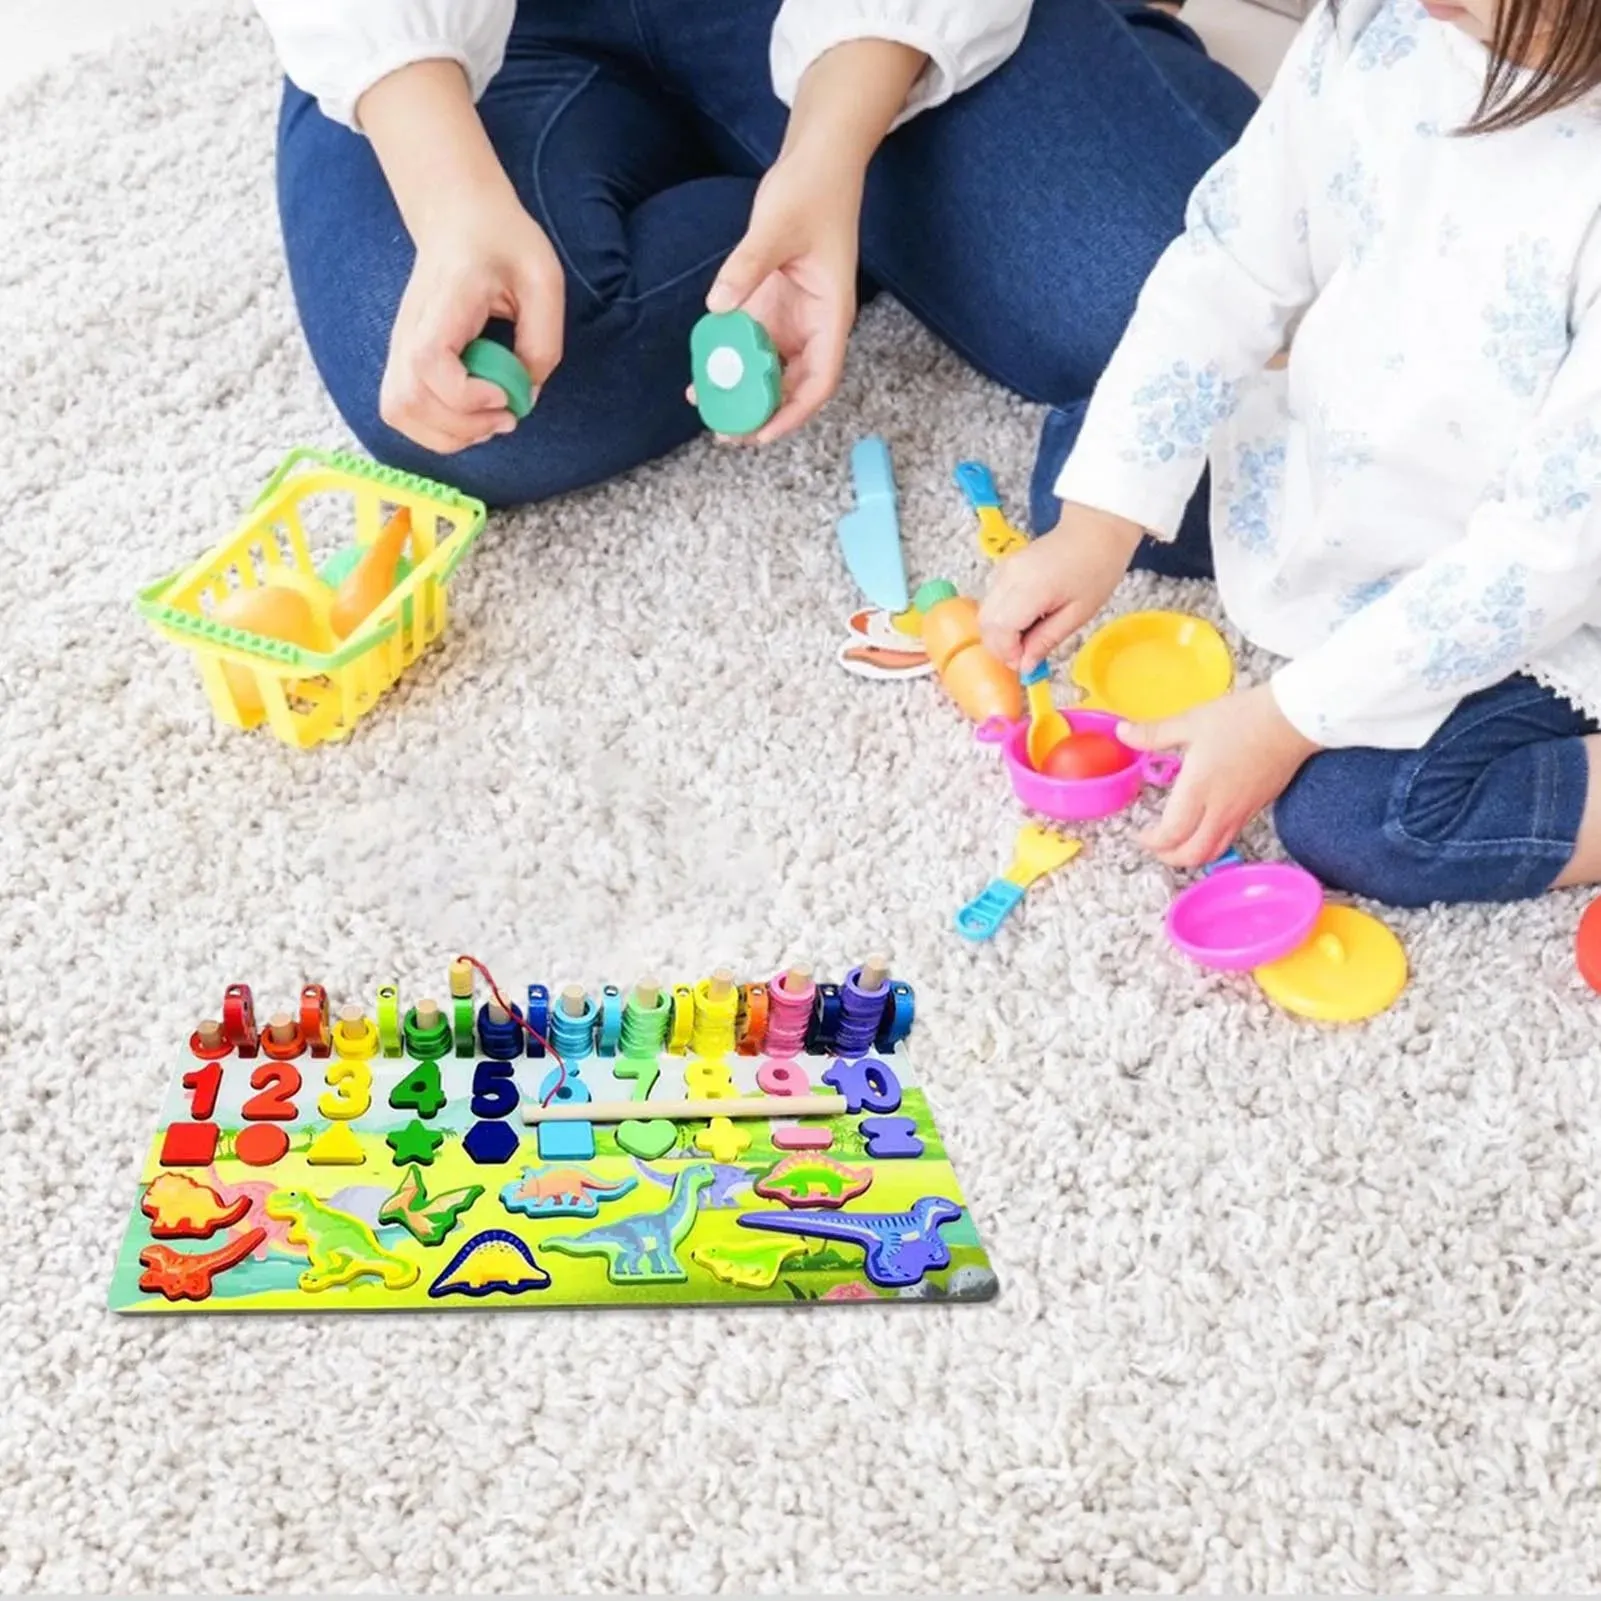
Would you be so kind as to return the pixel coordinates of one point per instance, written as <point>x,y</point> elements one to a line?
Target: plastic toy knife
<point>870,536</point>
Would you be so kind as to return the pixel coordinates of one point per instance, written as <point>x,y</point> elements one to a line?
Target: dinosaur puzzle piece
<point>341,1248</point>
<point>727,1181</point>
<point>814,1181</point>
<point>491,1263</point>
<point>644,1249</point>
<point>182,1208</point>
<point>747,1267</point>
<point>561,1192</point>
<point>900,1247</point>
<point>428,1219</point>
<point>182,1277</point>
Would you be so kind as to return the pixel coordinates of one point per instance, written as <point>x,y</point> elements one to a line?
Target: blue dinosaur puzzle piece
<point>900,1246</point>
<point>870,536</point>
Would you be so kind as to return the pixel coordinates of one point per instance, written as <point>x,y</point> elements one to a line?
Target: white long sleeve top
<point>336,50</point>
<point>1410,510</point>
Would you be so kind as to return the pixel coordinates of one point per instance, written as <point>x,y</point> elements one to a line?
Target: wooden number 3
<point>349,1090</point>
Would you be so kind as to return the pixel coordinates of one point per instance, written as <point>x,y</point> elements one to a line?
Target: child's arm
<point>336,50</point>
<point>1215,309</point>
<point>851,71</point>
<point>1525,575</point>
<point>408,74</point>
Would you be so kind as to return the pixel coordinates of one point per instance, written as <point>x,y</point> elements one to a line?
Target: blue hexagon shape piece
<point>490,1144</point>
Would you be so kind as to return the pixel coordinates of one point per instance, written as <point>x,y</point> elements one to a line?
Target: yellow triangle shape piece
<point>336,1146</point>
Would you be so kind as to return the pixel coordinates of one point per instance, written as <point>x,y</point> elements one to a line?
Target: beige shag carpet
<point>1282,1307</point>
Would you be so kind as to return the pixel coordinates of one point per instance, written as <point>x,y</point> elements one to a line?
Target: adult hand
<point>1240,754</point>
<point>1055,585</point>
<point>795,273</point>
<point>478,259</point>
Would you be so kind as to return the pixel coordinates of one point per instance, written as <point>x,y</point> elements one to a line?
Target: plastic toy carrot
<point>373,576</point>
<point>973,678</point>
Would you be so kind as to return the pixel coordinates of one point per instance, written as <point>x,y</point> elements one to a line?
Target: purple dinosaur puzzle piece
<point>901,1246</point>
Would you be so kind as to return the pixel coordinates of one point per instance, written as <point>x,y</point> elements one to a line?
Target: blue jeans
<point>1487,810</point>
<point>1017,222</point>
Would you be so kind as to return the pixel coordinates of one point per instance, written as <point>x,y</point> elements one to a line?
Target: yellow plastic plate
<point>1152,664</point>
<point>1351,967</point>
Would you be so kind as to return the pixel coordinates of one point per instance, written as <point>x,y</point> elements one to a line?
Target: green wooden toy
<point>736,372</point>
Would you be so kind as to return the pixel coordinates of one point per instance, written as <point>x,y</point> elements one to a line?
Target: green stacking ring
<point>483,358</point>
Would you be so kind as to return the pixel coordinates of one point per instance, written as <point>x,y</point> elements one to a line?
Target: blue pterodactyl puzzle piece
<point>870,536</point>
<point>901,1246</point>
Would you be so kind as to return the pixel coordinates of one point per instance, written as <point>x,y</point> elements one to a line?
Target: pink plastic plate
<point>1076,799</point>
<point>1242,917</point>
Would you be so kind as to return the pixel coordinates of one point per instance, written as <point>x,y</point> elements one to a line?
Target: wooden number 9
<point>782,1078</point>
<point>349,1090</point>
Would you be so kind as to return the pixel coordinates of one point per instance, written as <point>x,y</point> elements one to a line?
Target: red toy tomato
<point>1589,945</point>
<point>1089,755</point>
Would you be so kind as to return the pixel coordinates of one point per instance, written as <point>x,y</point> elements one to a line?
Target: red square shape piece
<point>189,1145</point>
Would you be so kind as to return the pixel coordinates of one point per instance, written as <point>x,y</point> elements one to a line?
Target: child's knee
<point>1334,821</point>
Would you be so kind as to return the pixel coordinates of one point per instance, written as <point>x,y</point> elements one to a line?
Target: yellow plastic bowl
<point>1152,664</point>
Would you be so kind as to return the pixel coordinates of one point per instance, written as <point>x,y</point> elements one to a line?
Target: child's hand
<point>1050,590</point>
<point>795,273</point>
<point>1241,753</point>
<point>483,258</point>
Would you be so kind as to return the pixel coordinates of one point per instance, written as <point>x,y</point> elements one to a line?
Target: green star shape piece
<point>414,1143</point>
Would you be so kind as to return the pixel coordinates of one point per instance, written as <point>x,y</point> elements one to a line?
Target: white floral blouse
<point>1410,510</point>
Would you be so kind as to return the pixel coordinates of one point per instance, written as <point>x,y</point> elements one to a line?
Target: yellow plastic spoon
<point>1047,727</point>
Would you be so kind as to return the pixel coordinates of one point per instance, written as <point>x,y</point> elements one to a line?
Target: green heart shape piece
<point>647,1140</point>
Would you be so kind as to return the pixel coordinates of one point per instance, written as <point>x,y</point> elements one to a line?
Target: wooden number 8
<point>708,1080</point>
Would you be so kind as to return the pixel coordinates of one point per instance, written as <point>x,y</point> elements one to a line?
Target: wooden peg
<point>647,993</point>
<point>798,977</point>
<point>210,1033</point>
<point>573,1000</point>
<point>720,983</point>
<point>875,973</point>
<point>280,1028</point>
<point>498,1013</point>
<point>427,1016</point>
<point>686,1110</point>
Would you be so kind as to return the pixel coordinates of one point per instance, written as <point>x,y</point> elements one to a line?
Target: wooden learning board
<point>710,1143</point>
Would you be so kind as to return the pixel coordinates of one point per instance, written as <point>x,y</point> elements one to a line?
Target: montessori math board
<point>710,1142</point>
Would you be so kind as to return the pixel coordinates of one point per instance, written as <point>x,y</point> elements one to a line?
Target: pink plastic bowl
<point>1076,799</point>
<point>1242,917</point>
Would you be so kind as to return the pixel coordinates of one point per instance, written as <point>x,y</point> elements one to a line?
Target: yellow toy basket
<point>307,696</point>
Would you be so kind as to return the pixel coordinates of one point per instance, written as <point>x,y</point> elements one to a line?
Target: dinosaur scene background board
<point>389,1210</point>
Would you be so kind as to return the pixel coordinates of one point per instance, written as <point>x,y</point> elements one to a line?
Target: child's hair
<point>1554,46</point>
